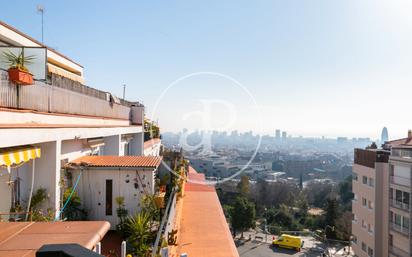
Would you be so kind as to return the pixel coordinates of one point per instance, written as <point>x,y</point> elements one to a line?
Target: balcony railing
<point>43,97</point>
<point>399,229</point>
<point>398,204</point>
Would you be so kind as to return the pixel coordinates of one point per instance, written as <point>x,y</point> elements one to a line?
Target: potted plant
<point>18,73</point>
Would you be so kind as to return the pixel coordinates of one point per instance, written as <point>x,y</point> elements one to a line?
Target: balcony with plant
<point>18,71</point>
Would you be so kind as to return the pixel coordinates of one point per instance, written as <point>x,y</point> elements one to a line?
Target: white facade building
<point>64,119</point>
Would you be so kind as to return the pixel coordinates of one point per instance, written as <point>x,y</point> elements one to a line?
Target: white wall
<point>47,172</point>
<point>91,190</point>
<point>112,145</point>
<point>136,144</point>
<point>73,149</point>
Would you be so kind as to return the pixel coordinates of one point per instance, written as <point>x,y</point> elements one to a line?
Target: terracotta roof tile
<point>119,161</point>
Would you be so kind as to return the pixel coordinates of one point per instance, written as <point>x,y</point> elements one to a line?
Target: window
<point>398,196</point>
<point>398,219</point>
<point>405,222</point>
<point>365,180</point>
<point>109,197</point>
<point>371,182</point>
<point>355,176</point>
<point>370,228</point>
<point>364,202</point>
<point>363,224</point>
<point>370,205</point>
<point>355,197</point>
<point>391,193</point>
<point>363,247</point>
<point>406,197</point>
<point>390,240</point>
<point>126,149</point>
<point>370,252</point>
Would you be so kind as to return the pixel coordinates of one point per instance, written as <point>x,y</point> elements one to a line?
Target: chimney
<point>409,134</point>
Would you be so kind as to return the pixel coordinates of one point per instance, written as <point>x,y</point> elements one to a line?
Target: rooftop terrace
<point>203,227</point>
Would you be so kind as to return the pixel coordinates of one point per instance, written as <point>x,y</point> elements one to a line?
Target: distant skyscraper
<point>284,135</point>
<point>277,134</point>
<point>385,135</point>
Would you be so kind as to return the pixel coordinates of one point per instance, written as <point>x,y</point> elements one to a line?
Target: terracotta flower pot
<point>20,77</point>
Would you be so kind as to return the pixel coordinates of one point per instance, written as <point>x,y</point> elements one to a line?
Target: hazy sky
<point>313,67</point>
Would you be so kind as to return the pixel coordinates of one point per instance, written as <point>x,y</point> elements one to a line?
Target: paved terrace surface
<point>25,238</point>
<point>203,227</point>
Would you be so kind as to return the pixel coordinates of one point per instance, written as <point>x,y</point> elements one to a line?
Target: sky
<point>312,68</point>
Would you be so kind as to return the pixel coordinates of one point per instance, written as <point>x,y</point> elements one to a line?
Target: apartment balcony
<point>398,252</point>
<point>399,205</point>
<point>400,229</point>
<point>64,96</point>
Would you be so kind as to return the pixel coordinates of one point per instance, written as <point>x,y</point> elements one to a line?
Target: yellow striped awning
<point>17,155</point>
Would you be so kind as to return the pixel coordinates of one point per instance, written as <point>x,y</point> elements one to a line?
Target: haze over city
<point>315,68</point>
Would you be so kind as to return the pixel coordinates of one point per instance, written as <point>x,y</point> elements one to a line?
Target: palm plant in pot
<point>18,72</point>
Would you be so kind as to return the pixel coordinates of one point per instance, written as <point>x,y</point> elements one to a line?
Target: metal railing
<point>164,226</point>
<point>399,228</point>
<point>54,99</point>
<point>398,204</point>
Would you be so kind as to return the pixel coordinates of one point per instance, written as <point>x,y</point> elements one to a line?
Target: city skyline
<point>325,70</point>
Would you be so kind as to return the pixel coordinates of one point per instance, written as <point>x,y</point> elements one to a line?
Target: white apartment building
<point>400,168</point>
<point>54,121</point>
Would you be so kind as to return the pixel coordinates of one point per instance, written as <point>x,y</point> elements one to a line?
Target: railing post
<point>123,249</point>
<point>98,248</point>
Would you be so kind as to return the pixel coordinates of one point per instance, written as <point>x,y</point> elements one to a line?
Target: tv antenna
<point>40,9</point>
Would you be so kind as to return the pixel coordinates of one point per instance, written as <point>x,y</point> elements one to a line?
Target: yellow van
<point>288,241</point>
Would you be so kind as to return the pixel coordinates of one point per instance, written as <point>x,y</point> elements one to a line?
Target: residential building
<point>54,121</point>
<point>400,167</point>
<point>370,205</point>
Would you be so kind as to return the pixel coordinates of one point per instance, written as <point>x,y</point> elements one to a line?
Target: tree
<point>345,190</point>
<point>331,217</point>
<point>317,193</point>
<point>242,215</point>
<point>243,186</point>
